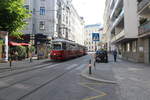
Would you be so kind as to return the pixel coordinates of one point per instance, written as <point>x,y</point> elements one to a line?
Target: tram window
<point>64,46</point>
<point>57,47</point>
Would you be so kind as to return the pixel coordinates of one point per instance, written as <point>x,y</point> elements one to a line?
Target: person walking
<point>115,55</point>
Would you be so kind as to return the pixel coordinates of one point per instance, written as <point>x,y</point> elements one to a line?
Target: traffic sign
<point>95,37</point>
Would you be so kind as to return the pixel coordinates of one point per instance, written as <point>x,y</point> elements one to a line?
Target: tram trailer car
<point>64,49</point>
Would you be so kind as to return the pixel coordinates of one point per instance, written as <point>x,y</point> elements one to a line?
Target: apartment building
<point>77,27</point>
<point>53,19</point>
<point>43,19</point>
<point>89,43</point>
<point>126,23</point>
<point>144,30</point>
<point>106,25</point>
<point>121,26</point>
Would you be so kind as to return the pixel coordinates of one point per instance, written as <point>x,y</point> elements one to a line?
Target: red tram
<point>64,49</point>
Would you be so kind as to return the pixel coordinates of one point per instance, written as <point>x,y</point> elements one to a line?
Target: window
<point>27,7</point>
<point>42,10</point>
<point>42,25</point>
<point>128,47</point>
<point>134,46</point>
<point>57,47</point>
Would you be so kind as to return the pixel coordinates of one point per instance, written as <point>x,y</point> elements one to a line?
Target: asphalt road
<point>56,81</point>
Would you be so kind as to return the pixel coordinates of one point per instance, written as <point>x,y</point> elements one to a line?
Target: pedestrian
<point>115,55</point>
<point>16,55</point>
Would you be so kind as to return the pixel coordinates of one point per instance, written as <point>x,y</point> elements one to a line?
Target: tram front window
<point>57,47</point>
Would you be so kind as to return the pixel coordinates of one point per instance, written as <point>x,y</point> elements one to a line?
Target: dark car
<point>101,56</point>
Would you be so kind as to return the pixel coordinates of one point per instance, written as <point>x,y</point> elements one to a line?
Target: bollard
<point>30,59</point>
<point>90,69</point>
<point>95,65</point>
<point>10,63</point>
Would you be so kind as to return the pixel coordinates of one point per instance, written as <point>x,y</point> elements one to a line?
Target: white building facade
<point>89,43</point>
<point>124,23</point>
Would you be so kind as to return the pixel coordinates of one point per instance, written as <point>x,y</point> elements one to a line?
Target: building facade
<point>77,27</point>
<point>89,43</point>
<point>3,46</point>
<point>54,19</point>
<point>144,30</point>
<point>123,23</point>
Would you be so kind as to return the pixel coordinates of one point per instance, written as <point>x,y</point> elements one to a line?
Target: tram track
<point>25,70</point>
<point>17,82</point>
<point>43,83</point>
<point>47,82</point>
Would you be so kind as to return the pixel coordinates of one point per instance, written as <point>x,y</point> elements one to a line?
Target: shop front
<point>3,46</point>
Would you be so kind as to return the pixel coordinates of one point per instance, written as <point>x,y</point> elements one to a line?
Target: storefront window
<point>134,46</point>
<point>128,47</point>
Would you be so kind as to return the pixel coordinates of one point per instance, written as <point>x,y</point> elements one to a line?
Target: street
<point>63,81</point>
<point>58,81</point>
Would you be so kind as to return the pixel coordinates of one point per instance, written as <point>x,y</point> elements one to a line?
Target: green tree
<point>12,16</point>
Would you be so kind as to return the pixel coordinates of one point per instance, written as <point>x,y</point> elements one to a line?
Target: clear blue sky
<point>91,10</point>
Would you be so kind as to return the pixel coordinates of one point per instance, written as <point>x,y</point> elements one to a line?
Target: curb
<point>96,79</point>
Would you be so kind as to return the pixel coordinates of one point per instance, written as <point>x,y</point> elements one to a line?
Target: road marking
<point>80,67</point>
<point>51,66</point>
<point>85,60</point>
<point>93,89</point>
<point>72,66</point>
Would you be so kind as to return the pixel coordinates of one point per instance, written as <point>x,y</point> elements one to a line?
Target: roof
<point>94,25</point>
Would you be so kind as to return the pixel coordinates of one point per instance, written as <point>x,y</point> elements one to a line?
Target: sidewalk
<point>133,79</point>
<point>22,64</point>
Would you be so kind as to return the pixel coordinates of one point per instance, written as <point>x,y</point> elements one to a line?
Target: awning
<point>13,44</point>
<point>24,44</point>
<point>17,44</point>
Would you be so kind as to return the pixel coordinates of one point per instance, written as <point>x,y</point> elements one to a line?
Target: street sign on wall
<point>95,37</point>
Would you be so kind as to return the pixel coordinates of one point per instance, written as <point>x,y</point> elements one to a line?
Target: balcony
<point>118,36</point>
<point>143,6</point>
<point>118,19</point>
<point>144,28</point>
<point>118,4</point>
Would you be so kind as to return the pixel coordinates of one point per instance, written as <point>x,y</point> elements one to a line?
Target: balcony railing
<point>118,36</point>
<point>114,8</point>
<point>144,28</point>
<point>118,19</point>
<point>142,4</point>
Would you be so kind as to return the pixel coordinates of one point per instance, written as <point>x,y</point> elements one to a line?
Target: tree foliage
<point>12,16</point>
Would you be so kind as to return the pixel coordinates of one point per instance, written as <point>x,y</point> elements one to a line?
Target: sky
<point>91,10</point>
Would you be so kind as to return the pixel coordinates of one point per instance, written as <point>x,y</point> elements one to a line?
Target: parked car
<point>101,56</point>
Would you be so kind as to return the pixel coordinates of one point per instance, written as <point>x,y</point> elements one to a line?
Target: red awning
<point>18,44</point>
<point>25,44</point>
<point>13,44</point>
